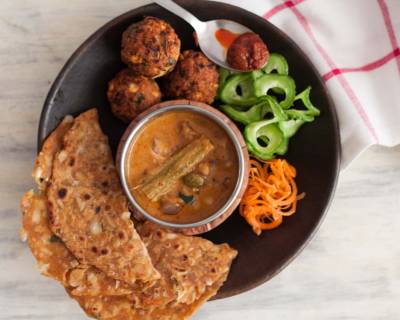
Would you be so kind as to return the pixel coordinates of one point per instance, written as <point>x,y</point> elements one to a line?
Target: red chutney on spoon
<point>246,52</point>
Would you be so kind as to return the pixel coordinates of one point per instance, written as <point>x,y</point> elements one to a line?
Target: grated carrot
<point>270,195</point>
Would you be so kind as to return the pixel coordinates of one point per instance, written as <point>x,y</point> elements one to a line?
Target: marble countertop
<point>350,270</point>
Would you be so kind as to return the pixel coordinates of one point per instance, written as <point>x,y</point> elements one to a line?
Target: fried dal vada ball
<point>130,94</point>
<point>195,77</point>
<point>150,47</point>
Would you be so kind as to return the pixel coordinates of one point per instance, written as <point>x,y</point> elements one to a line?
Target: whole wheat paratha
<point>98,293</point>
<point>53,258</point>
<point>190,264</point>
<point>192,268</point>
<point>87,208</point>
<point>181,311</point>
<point>44,161</point>
<point>121,308</point>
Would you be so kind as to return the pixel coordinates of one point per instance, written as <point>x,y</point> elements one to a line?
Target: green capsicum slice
<point>223,75</point>
<point>276,109</point>
<point>304,96</point>
<point>298,117</point>
<point>239,90</point>
<point>268,133</point>
<point>256,74</point>
<point>305,115</point>
<point>277,63</point>
<point>290,127</point>
<point>257,112</point>
<point>263,84</point>
<point>284,146</point>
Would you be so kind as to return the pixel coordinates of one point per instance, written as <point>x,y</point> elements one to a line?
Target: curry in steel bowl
<point>183,165</point>
<point>199,172</point>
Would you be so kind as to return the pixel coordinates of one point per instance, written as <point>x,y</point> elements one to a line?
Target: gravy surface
<point>163,137</point>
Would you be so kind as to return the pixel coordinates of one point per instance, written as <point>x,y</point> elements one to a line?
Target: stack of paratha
<point>80,231</point>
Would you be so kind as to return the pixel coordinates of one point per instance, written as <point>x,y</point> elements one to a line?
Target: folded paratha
<point>53,258</point>
<point>87,207</point>
<point>189,264</point>
<point>193,269</point>
<point>44,161</point>
<point>121,308</point>
<point>160,275</point>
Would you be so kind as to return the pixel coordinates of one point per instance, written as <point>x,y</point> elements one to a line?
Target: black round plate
<point>314,151</point>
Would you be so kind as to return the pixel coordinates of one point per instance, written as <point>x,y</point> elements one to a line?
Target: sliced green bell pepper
<point>269,81</point>
<point>223,75</point>
<point>290,127</point>
<point>278,63</point>
<point>305,98</point>
<point>298,117</point>
<point>256,74</point>
<point>275,108</point>
<point>305,115</point>
<point>247,101</point>
<point>284,146</point>
<point>257,112</point>
<point>267,132</point>
<point>230,90</point>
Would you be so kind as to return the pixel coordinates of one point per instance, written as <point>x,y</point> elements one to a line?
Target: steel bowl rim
<point>135,131</point>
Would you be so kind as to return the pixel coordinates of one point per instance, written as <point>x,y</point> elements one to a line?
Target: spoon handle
<point>182,13</point>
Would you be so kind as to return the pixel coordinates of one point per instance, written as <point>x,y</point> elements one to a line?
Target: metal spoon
<point>205,31</point>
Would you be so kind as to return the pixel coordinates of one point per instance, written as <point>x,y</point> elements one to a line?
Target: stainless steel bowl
<point>224,122</point>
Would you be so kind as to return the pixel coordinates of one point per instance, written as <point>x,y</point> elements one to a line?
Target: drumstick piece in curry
<point>179,165</point>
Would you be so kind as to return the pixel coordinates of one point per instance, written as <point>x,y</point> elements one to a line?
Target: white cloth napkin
<point>355,46</point>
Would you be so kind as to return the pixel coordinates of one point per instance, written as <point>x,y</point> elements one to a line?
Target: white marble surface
<point>351,269</point>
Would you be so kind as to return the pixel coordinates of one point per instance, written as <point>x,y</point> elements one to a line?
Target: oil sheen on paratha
<point>87,208</point>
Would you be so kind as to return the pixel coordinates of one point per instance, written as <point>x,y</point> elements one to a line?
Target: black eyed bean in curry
<point>202,183</point>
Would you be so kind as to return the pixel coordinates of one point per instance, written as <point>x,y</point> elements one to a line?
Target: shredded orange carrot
<point>270,195</point>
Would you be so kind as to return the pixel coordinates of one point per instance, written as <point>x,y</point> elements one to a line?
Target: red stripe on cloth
<point>389,28</point>
<point>280,7</point>
<point>343,82</point>
<point>368,67</point>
